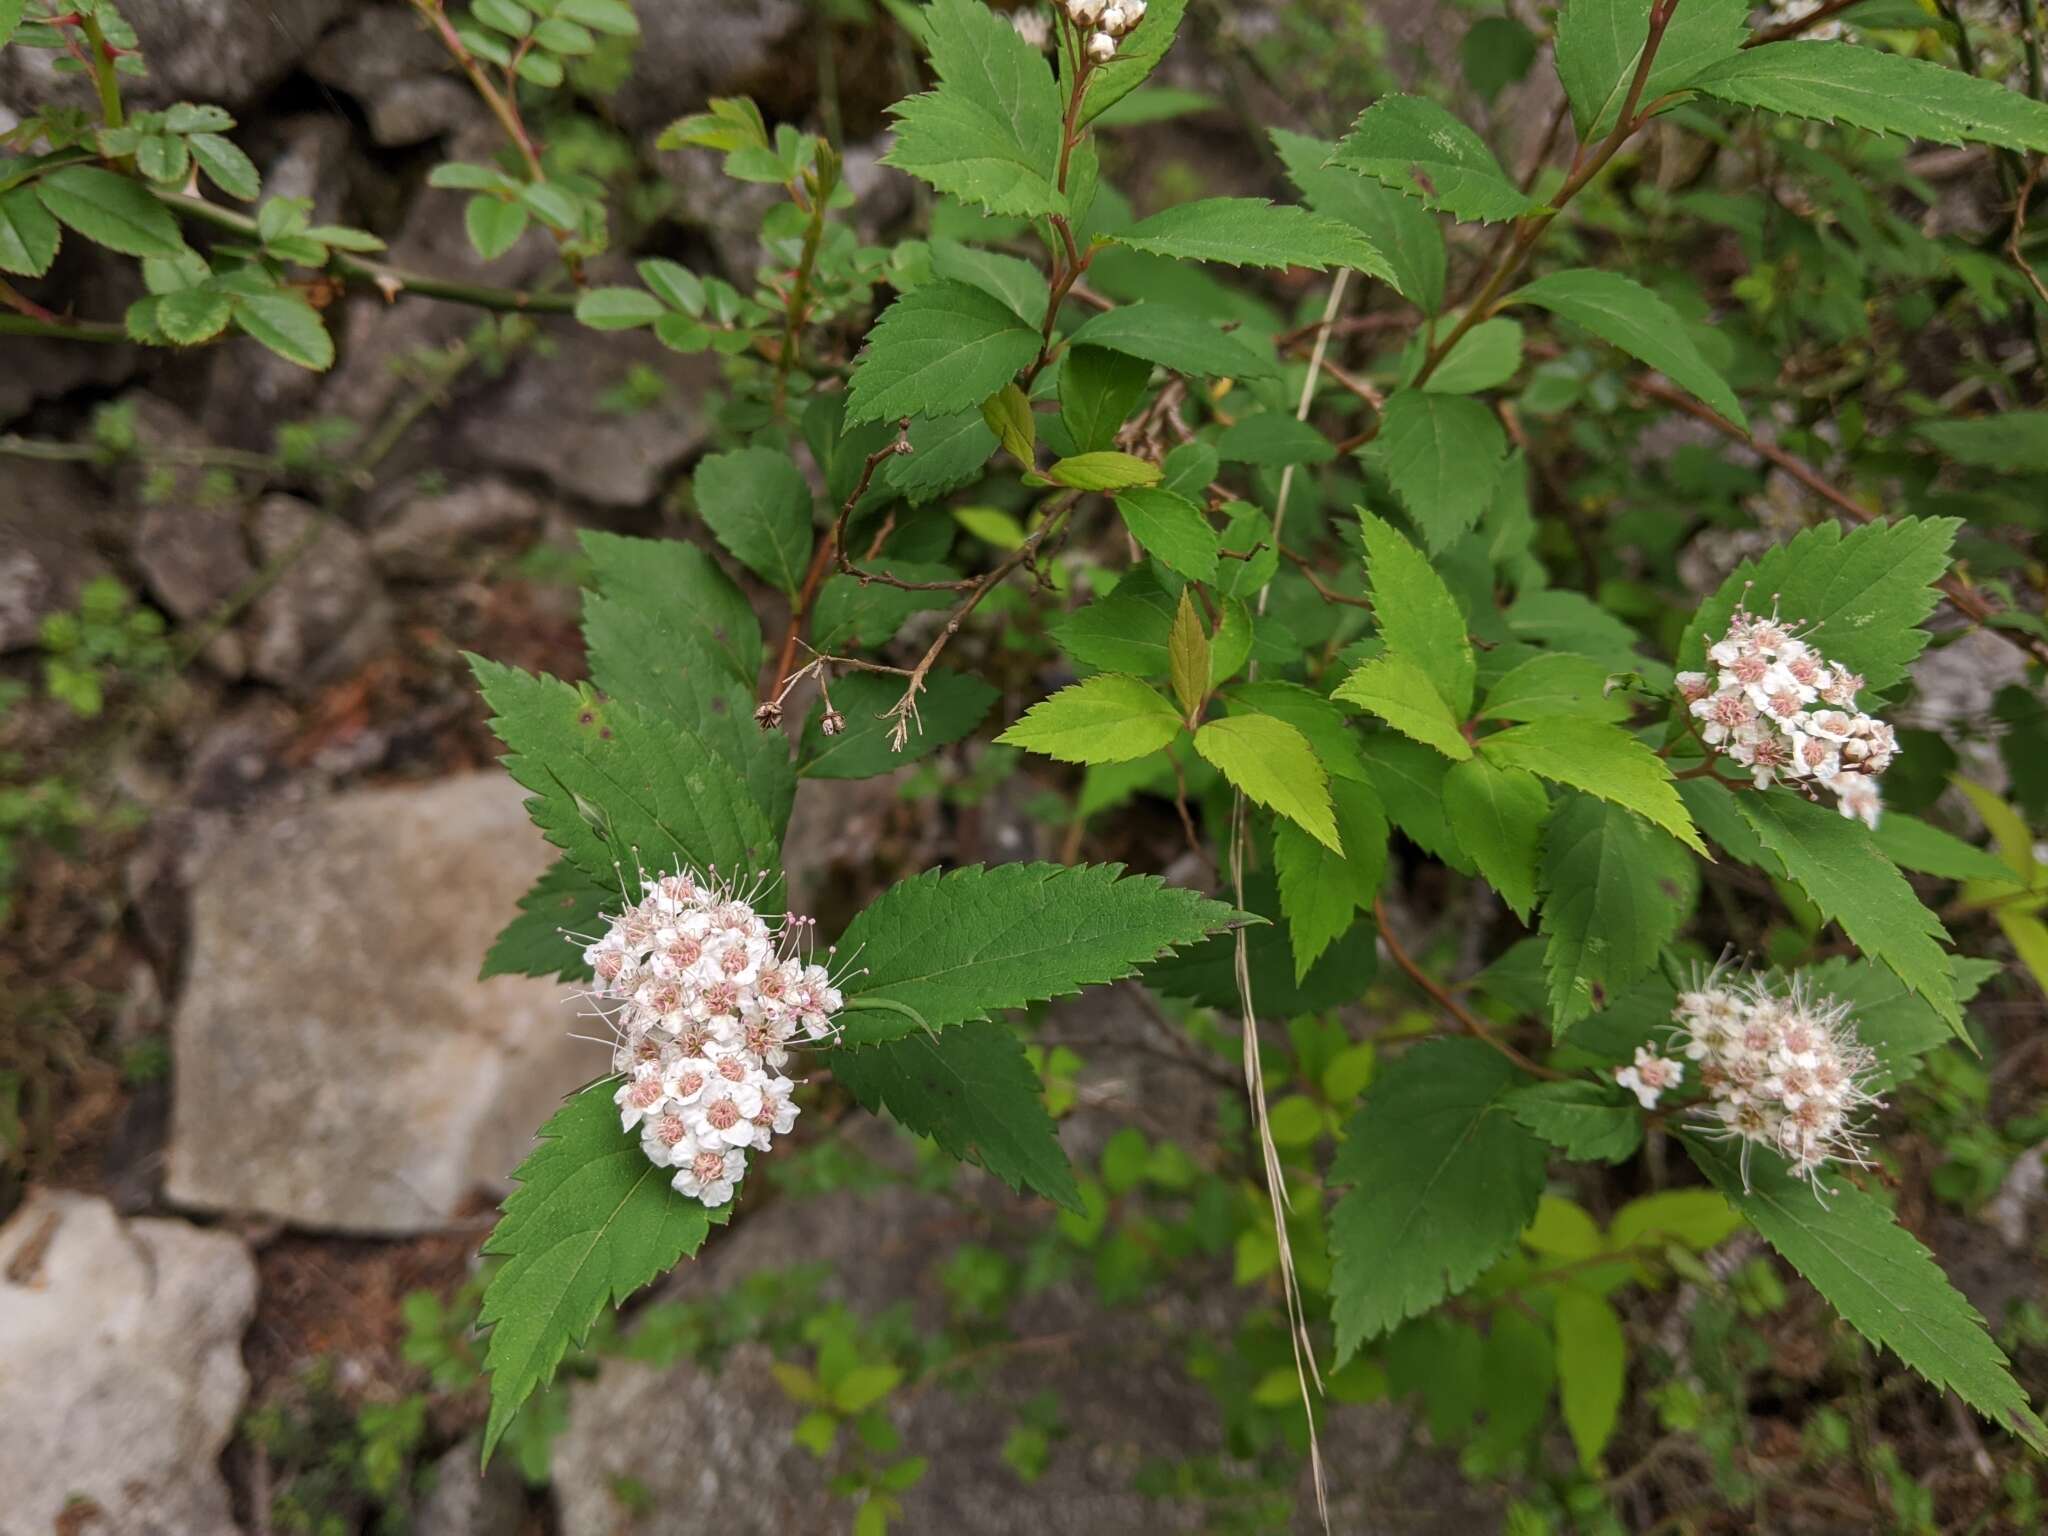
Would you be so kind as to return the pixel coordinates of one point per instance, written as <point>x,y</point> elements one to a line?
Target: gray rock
<point>222,51</point>
<point>468,1501</point>
<point>692,50</point>
<point>326,615</point>
<point>339,1064</point>
<point>396,72</point>
<point>124,1370</point>
<point>428,532</point>
<point>47,519</point>
<point>547,419</point>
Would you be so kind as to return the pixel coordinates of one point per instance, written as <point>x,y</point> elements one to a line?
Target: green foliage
<point>1442,454</point>
<point>1107,719</point>
<point>1620,310</point>
<point>756,501</point>
<point>1415,146</point>
<point>1616,890</point>
<point>941,347</point>
<point>1251,232</point>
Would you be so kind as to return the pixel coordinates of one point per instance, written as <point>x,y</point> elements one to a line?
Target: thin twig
<point>1449,1004</point>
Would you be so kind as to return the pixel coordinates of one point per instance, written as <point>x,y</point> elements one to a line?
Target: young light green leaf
<point>1417,615</point>
<point>1098,391</point>
<point>1316,717</point>
<point>288,325</point>
<point>1875,1273</point>
<point>1399,228</point>
<point>1498,815</point>
<point>1833,860</point>
<point>1008,414</point>
<point>1274,765</point>
<point>1592,1368</point>
<point>1172,530</point>
<point>1320,891</point>
<point>1913,844</point>
<point>1863,594</point>
<point>1110,718</point>
<point>1443,455</point>
<point>1173,338</point>
<point>940,348</point>
<point>1105,470</point>
<point>971,942</point>
<point>1621,310</point>
<point>972,1091</point>
<point>1600,44</point>
<point>1615,891</point>
<point>1698,1218</point>
<point>756,501</point>
<point>1187,656</point>
<point>194,315</point>
<point>494,225</point>
<point>563,901</point>
<point>1252,232</point>
<point>1584,1120</point>
<point>990,131</point>
<point>28,235</point>
<point>1415,146</point>
<point>1402,694</point>
<point>1602,760</point>
<point>110,210</point>
<point>1883,92</point>
<point>1443,1179</point>
<point>618,309</point>
<point>590,1223</point>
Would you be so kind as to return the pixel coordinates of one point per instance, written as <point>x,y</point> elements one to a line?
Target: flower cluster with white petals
<point>1776,706</point>
<point>1781,1067</point>
<point>705,999</point>
<point>1650,1075</point>
<point>1106,22</point>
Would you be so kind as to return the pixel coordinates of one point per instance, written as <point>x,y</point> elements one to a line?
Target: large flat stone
<point>336,1062</point>
<point>120,1370</point>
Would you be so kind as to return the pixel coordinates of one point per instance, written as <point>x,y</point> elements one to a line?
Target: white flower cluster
<point>1105,22</point>
<point>1775,705</point>
<point>704,998</point>
<point>1781,1066</point>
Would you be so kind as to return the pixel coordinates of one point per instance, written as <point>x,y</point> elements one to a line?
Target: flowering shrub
<point>1279,565</point>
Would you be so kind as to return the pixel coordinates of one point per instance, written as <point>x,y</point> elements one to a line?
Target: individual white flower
<point>726,1113</point>
<point>665,1138</point>
<point>1650,1076</point>
<point>1859,799</point>
<point>1693,686</point>
<point>710,1173</point>
<point>1101,47</point>
<point>639,1096</point>
<point>777,1114</point>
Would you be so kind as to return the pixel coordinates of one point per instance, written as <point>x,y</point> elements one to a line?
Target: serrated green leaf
<point>1404,234</point>
<point>1316,717</point>
<point>1554,684</point>
<point>1103,471</point>
<point>946,452</point>
<point>494,224</point>
<point>10,18</point>
<point>1124,632</point>
<point>674,578</point>
<point>1497,815</point>
<point>614,786</point>
<point>614,17</point>
<point>1207,973</point>
<point>1877,1276</point>
<point>1173,338</point>
<point>1484,357</point>
<point>1890,1017</point>
<point>1273,764</point>
<point>1863,593</point>
<point>1621,310</point>
<point>1601,759</point>
<point>1273,438</point>
<point>1585,1121</point>
<point>1172,530</point>
<point>162,158</point>
<point>193,315</point>
<point>1409,779</point>
<point>1592,1369</point>
<point>1615,892</point>
<point>968,943</point>
<point>1833,860</point>
<point>1443,454</point>
<point>2015,441</point>
<point>1913,844</point>
<point>1399,692</point>
<point>1600,43</point>
<point>288,325</point>
<point>972,1091</point>
<point>590,1223</point>
<point>1443,1181</point>
<point>950,707</point>
<point>1415,146</point>
<point>756,501</point>
<point>1007,413</point>
<point>1320,891</point>
<point>1110,718</point>
<point>29,237</point>
<point>1252,232</point>
<point>563,901</point>
<point>110,210</point>
<point>989,133</point>
<point>1098,391</point>
<point>1416,613</point>
<point>226,166</point>
<point>1883,92</point>
<point>1698,1218</point>
<point>1189,662</point>
<point>1015,282</point>
<point>870,613</point>
<point>942,347</point>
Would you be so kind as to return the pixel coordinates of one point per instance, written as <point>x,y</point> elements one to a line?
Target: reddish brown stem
<point>1449,1004</point>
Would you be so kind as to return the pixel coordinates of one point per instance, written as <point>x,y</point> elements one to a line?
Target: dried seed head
<point>832,722</point>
